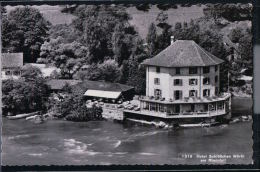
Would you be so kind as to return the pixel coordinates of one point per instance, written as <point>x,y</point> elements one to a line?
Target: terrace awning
<point>103,94</point>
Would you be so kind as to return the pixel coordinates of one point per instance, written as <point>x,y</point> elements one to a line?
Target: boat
<point>202,124</point>
<point>30,117</point>
<point>20,116</point>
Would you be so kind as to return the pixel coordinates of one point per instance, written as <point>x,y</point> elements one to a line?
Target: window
<point>157,93</point>
<point>216,68</point>
<point>193,93</point>
<point>206,93</point>
<point>206,81</point>
<point>156,81</point>
<point>177,70</point>
<point>206,107</point>
<point>216,91</point>
<point>16,73</point>
<point>220,105</point>
<point>177,95</point>
<point>177,82</point>
<point>158,69</point>
<point>177,108</point>
<point>216,79</point>
<point>206,69</point>
<point>192,107</point>
<point>7,72</point>
<point>193,81</point>
<point>193,70</point>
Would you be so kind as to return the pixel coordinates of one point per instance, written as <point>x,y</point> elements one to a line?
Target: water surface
<point>104,142</point>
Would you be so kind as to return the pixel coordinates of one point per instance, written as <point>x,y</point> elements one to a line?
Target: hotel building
<point>182,82</point>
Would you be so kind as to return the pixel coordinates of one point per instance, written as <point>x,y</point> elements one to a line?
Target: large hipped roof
<point>183,53</point>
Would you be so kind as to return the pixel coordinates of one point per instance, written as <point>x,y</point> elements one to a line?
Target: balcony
<point>180,115</point>
<point>222,97</point>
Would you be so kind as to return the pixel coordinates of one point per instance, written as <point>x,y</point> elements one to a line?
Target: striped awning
<point>103,94</point>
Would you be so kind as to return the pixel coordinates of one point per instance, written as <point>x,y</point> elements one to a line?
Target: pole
<point>228,81</point>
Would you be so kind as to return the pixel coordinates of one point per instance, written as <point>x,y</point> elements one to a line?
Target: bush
<point>85,114</point>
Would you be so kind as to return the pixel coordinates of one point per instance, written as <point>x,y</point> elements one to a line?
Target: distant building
<point>12,64</point>
<point>182,82</point>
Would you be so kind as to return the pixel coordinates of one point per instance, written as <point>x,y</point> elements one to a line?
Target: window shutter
<point>196,81</point>
<point>196,93</point>
<point>180,93</point>
<point>180,81</point>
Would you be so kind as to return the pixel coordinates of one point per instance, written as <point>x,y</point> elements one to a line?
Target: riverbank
<point>241,111</point>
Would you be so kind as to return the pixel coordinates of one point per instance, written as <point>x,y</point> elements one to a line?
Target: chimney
<point>172,40</point>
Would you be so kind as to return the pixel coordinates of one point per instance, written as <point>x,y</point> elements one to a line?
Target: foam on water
<point>118,143</point>
<point>19,136</point>
<point>35,154</point>
<point>150,133</point>
<point>73,146</point>
<point>147,153</point>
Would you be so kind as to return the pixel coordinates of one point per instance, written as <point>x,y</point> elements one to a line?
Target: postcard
<point>126,84</point>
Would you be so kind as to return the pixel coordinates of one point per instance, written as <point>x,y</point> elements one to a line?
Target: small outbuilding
<point>108,92</point>
<point>12,64</point>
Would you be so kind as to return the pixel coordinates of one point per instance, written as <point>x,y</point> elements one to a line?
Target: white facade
<point>11,74</point>
<point>165,81</point>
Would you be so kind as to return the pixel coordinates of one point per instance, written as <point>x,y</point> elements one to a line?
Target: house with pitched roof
<point>107,91</point>
<point>12,64</point>
<point>182,82</point>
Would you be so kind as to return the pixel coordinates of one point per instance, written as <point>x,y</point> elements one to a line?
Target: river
<point>60,142</point>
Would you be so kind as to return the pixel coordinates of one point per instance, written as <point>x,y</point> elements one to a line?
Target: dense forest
<point>101,44</point>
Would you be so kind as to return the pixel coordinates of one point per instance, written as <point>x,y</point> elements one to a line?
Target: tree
<point>162,20</point>
<point>96,25</point>
<point>30,72</point>
<point>69,57</point>
<point>23,96</point>
<point>231,12</point>
<point>151,39</point>
<point>143,7</point>
<point>109,71</point>
<point>27,94</point>
<point>163,40</point>
<point>27,30</point>
<point>235,35</point>
<point>136,76</point>
<point>73,106</point>
<point>12,36</point>
<point>246,50</point>
<point>66,32</point>
<point>166,6</point>
<point>123,42</point>
<point>2,10</point>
